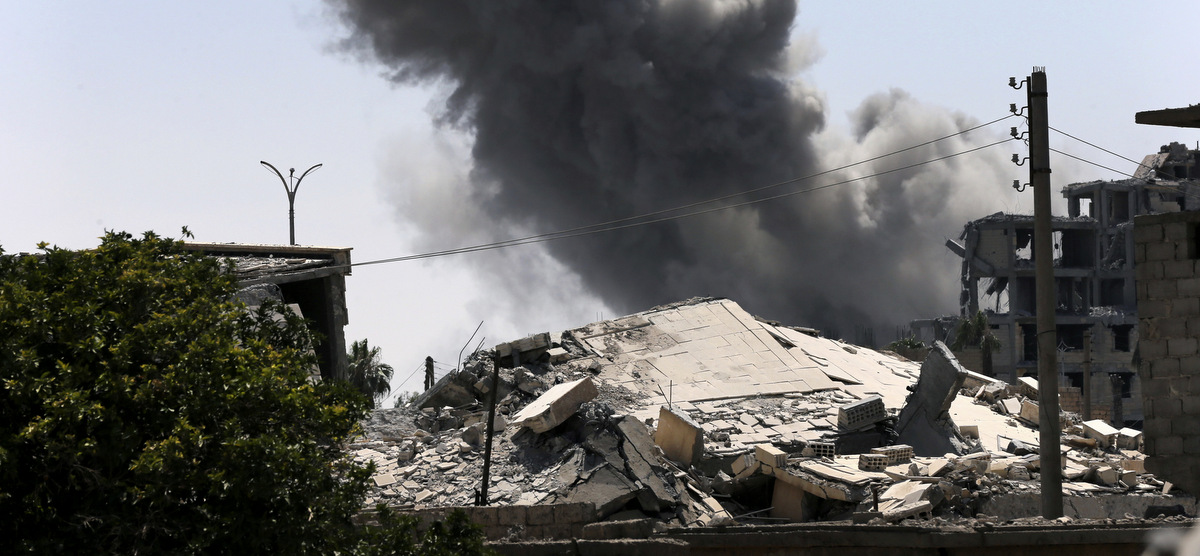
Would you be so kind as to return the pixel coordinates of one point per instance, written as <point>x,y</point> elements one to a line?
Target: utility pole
<point>291,190</point>
<point>1087,375</point>
<point>1043,251</point>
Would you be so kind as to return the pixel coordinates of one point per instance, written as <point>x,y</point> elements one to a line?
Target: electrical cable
<point>608,226</point>
<point>1090,144</point>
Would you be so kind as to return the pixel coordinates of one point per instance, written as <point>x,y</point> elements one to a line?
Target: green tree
<point>368,373</point>
<point>975,332</point>
<point>144,411</point>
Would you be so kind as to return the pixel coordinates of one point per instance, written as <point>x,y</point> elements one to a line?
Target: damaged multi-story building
<point>1096,320</point>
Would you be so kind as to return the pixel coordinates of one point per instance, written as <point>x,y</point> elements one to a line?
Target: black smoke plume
<point>584,111</point>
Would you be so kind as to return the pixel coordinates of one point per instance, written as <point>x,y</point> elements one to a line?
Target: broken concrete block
<point>1029,412</point>
<point>556,405</point>
<point>744,466</point>
<point>1018,472</point>
<point>969,431</point>
<point>1136,465</point>
<point>681,438</point>
<point>924,422</point>
<point>1106,475</point>
<point>770,455</point>
<point>558,355</point>
<point>1128,439</point>
<point>1028,387</point>
<point>607,488</point>
<point>823,449</point>
<point>384,479</point>
<point>859,414</point>
<point>524,345</point>
<point>1102,432</point>
<point>1011,406</point>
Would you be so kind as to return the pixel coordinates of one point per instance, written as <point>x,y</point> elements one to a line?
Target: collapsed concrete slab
<point>681,438</point>
<point>558,403</point>
<point>924,421</point>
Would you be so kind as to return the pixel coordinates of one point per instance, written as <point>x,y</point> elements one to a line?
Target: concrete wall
<point>550,521</point>
<point>1168,292</point>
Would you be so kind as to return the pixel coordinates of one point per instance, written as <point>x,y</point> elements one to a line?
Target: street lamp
<point>291,189</point>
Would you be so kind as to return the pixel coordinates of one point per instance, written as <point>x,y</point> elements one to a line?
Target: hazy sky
<point>139,116</point>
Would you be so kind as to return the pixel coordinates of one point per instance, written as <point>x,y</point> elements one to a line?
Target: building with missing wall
<point>1094,274</point>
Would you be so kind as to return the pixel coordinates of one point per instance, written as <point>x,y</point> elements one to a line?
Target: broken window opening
<point>993,294</point>
<point>1023,252</point>
<point>1121,335</point>
<point>1029,342</point>
<point>1086,207</point>
<point>1070,336</point>
<point>1118,206</point>
<point>1112,292</point>
<point>1076,248</point>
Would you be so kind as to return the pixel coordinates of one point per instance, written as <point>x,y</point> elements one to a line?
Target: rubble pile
<point>603,415</point>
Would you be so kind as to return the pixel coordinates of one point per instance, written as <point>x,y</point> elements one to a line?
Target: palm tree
<point>975,332</point>
<point>368,374</point>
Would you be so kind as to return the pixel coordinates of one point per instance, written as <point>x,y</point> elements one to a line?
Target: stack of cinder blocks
<point>861,413</point>
<point>899,453</point>
<point>1166,253</point>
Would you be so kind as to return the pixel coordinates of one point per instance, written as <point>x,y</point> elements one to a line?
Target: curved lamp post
<point>291,189</point>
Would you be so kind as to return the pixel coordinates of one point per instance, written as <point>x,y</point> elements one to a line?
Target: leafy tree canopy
<point>144,411</point>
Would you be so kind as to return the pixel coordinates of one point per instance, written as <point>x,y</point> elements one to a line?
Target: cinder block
<point>872,462</point>
<point>899,453</point>
<point>1179,269</point>
<point>1178,347</point>
<point>1147,233</point>
<point>861,413</point>
<point>1172,231</point>
<point>1161,289</point>
<point>1169,446</point>
<point>1182,251</point>
<point>1139,255</point>
<point>540,515</point>
<point>511,515</point>
<point>1188,287</point>
<point>1160,252</point>
<point>1152,349</point>
<point>1185,425</point>
<point>1154,308</point>
<point>1185,307</point>
<point>581,512</point>
<point>1191,445</point>
<point>1167,407</point>
<point>1170,328</point>
<point>1166,368</point>
<point>1156,388</point>
<point>823,449</point>
<point>1190,404</point>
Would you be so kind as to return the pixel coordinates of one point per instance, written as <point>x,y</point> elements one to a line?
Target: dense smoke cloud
<point>582,112</point>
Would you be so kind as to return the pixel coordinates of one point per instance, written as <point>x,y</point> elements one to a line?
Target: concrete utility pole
<point>1087,375</point>
<point>1047,303</point>
<point>291,193</point>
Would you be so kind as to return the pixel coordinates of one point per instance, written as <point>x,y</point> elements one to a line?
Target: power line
<point>1090,144</point>
<point>609,226</point>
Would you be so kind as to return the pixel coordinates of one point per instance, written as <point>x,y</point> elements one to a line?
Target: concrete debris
<point>556,405</point>
<point>925,422</point>
<point>681,438</point>
<point>859,447</point>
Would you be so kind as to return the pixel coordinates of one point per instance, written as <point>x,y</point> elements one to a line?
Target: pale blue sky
<point>139,115</point>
